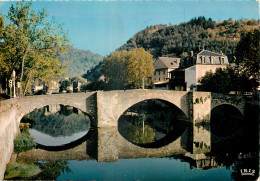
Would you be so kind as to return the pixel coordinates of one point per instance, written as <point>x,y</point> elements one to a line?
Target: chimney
<point>191,53</point>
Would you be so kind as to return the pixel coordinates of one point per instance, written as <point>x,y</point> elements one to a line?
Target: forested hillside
<point>198,33</point>
<point>79,61</point>
<point>179,40</point>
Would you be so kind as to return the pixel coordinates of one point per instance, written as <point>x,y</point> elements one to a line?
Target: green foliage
<point>96,85</point>
<point>203,22</point>
<point>127,68</point>
<point>162,40</point>
<point>29,45</point>
<point>79,79</point>
<point>64,84</point>
<point>21,170</point>
<point>139,134</point>
<point>184,54</point>
<point>79,61</point>
<point>23,142</point>
<point>221,81</point>
<point>94,74</point>
<point>51,170</point>
<point>248,56</point>
<point>224,81</point>
<point>243,77</point>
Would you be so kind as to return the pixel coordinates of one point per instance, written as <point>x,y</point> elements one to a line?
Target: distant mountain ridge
<point>79,61</point>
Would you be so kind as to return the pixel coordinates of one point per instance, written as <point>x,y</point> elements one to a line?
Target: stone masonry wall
<point>9,127</point>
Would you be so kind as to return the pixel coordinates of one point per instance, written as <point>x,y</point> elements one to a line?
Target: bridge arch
<point>134,103</point>
<point>152,117</point>
<point>233,100</point>
<point>226,120</point>
<point>111,105</point>
<point>80,101</point>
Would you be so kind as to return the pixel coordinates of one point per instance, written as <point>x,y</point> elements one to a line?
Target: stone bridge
<point>105,108</point>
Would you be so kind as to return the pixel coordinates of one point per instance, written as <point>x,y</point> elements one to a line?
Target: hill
<point>93,74</point>
<point>179,40</point>
<point>198,33</point>
<point>80,61</point>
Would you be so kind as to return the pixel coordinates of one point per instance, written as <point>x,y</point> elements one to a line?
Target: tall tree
<point>248,56</point>
<point>31,45</point>
<point>222,81</point>
<point>127,68</point>
<point>139,67</point>
<point>114,70</point>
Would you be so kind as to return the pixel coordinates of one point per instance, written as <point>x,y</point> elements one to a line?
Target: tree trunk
<point>27,83</point>
<point>21,78</point>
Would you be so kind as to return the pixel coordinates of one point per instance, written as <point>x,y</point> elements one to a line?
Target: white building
<point>193,68</point>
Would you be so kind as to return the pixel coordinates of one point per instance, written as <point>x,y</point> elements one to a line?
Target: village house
<point>162,68</point>
<point>194,67</point>
<point>40,87</point>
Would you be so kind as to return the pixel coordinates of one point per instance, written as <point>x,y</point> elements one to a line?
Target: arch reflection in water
<point>226,124</point>
<point>225,120</point>
<point>152,123</point>
<point>55,125</point>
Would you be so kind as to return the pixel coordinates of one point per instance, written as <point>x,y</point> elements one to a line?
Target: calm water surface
<point>154,141</point>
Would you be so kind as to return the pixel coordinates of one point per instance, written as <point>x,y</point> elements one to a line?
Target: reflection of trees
<point>66,123</point>
<point>51,170</point>
<point>65,111</point>
<point>23,142</point>
<point>152,121</point>
<point>139,133</point>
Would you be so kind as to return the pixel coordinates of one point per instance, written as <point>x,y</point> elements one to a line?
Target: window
<point>212,60</point>
<point>203,60</point>
<point>222,60</point>
<point>159,72</point>
<point>159,79</point>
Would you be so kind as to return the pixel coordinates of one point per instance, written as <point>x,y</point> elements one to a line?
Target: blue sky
<point>102,26</point>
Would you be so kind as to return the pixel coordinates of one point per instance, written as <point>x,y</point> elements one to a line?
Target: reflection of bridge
<point>107,145</point>
<point>105,108</point>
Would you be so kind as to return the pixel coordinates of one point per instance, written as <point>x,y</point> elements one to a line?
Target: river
<point>154,140</point>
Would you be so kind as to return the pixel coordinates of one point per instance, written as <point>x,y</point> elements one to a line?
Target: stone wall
<point>9,129</point>
<point>201,106</point>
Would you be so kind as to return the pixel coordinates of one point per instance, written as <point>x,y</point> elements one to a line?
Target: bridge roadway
<point>105,108</point>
